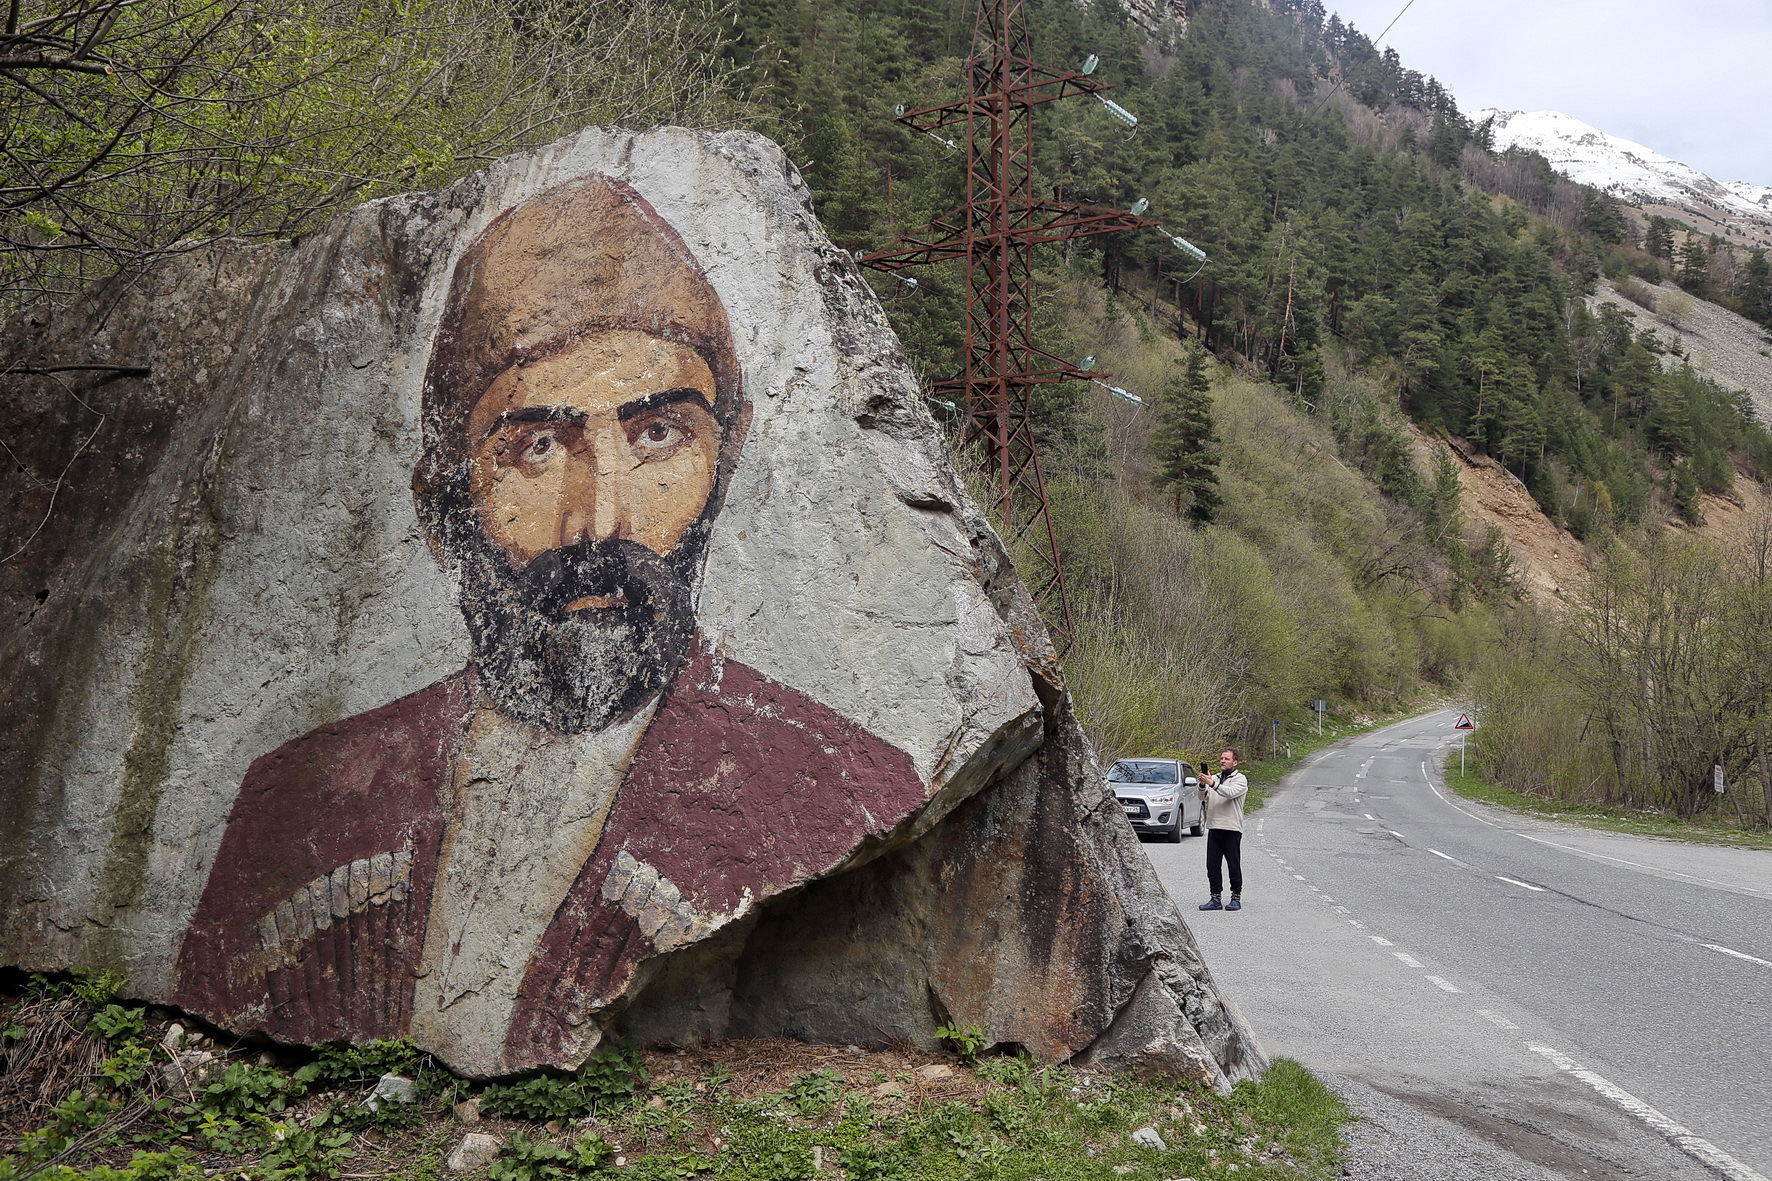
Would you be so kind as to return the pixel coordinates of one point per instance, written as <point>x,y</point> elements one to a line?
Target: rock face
<point>539,608</point>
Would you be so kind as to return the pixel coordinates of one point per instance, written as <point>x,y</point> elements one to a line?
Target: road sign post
<point>1319,708</point>
<point>1716,779</point>
<point>1464,723</point>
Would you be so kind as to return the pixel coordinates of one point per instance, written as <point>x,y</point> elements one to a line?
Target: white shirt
<point>527,813</point>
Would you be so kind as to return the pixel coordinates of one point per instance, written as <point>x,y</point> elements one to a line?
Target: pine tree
<point>1659,238</point>
<point>1695,266</point>
<point>1756,299</point>
<point>1601,218</point>
<point>1185,442</point>
<point>1684,491</point>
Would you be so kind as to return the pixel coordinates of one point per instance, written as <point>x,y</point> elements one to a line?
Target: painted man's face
<point>589,477</point>
<point>613,438</point>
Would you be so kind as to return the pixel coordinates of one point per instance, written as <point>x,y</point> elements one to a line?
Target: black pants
<point>1226,843</point>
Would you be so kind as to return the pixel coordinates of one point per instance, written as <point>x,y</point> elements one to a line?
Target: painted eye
<point>529,451</point>
<point>658,436</point>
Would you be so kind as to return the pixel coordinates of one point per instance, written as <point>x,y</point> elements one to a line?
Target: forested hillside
<point>1347,206</point>
<point>1373,260</point>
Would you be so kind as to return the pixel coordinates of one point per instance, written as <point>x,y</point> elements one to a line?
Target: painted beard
<point>574,671</point>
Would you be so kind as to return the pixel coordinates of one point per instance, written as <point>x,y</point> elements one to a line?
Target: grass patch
<point>1606,817</point>
<point>101,1106</point>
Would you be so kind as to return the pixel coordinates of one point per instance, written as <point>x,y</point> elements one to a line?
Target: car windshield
<point>1128,771</point>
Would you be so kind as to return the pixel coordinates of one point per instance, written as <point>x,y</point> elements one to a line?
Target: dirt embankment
<point>1552,562</point>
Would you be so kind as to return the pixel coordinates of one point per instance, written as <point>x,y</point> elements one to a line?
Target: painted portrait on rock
<point>543,608</point>
<point>485,864</point>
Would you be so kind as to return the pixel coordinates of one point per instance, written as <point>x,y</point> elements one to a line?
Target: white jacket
<point>1224,801</point>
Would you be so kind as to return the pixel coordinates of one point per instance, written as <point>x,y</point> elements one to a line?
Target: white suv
<point>1160,796</point>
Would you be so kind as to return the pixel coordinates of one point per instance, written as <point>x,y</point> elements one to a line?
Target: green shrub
<point>128,1066</point>
<point>540,1160</point>
<point>98,989</point>
<point>337,1065</point>
<point>115,1023</point>
<point>301,1155</point>
<point>538,1099</point>
<point>967,1040</point>
<point>613,1075</point>
<point>1006,1070</point>
<point>816,1093</point>
<point>873,1162</point>
<point>243,1090</point>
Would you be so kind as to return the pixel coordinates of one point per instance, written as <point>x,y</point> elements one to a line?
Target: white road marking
<point>1449,803</point>
<point>1740,955</point>
<point>1585,853</point>
<point>1341,910</point>
<point>1408,960</point>
<point>1299,876</point>
<point>1381,940</point>
<point>1356,923</point>
<point>1449,857</point>
<point>1518,882</point>
<point>1503,1022</point>
<point>1679,1136</point>
<point>1445,984</point>
<point>1653,869</point>
<point>1369,816</point>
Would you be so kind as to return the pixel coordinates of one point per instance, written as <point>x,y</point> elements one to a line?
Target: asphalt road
<point>1498,997</point>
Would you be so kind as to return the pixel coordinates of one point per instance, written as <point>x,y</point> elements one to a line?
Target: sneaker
<point>1212,903</point>
<point>1236,903</point>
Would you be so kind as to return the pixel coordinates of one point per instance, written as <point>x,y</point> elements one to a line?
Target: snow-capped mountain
<point>1629,170</point>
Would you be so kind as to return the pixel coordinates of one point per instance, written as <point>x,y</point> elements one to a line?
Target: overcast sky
<point>1690,78</point>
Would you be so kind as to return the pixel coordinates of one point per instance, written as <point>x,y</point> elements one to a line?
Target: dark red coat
<point>738,783</point>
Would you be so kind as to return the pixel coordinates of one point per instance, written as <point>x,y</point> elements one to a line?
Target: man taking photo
<point>1223,794</point>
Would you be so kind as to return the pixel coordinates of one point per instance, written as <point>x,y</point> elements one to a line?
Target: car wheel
<point>1195,829</point>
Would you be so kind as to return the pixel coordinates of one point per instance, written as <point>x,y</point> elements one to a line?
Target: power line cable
<point>1375,42</point>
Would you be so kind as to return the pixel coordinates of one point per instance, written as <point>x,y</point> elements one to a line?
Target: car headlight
<point>1162,799</point>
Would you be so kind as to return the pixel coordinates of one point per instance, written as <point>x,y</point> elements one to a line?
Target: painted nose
<point>594,506</point>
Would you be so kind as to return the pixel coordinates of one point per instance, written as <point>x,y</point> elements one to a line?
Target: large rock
<point>540,607</point>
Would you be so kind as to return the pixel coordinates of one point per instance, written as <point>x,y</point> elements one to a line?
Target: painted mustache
<point>604,576</point>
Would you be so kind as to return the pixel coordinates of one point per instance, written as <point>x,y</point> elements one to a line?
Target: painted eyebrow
<point>575,417</point>
<point>566,414</point>
<point>662,399</point>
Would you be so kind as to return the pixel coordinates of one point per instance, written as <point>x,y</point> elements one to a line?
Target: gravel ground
<point>1390,1140</point>
<point>1732,350</point>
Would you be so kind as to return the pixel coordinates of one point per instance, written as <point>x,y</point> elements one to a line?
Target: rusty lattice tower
<point>993,233</point>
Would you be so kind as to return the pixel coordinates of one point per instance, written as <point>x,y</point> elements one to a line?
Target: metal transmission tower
<point>994,233</point>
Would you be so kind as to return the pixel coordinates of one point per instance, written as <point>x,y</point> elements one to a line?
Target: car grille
<point>1135,809</point>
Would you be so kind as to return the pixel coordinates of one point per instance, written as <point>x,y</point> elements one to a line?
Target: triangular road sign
<point>1464,723</point>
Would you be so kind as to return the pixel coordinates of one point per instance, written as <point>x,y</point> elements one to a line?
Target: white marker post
<point>1319,707</point>
<point>1716,778</point>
